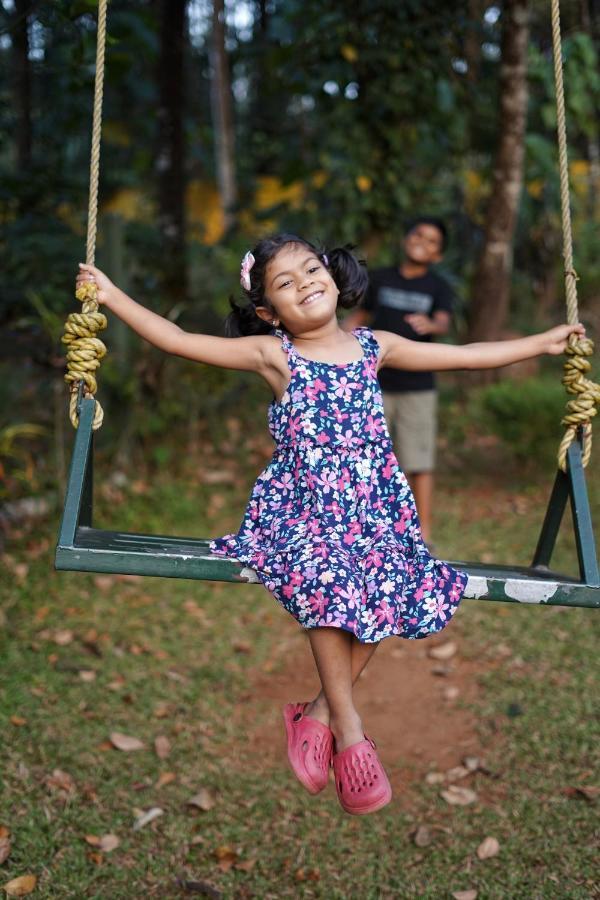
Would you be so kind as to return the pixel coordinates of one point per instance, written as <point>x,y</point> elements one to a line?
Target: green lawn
<point>84,656</point>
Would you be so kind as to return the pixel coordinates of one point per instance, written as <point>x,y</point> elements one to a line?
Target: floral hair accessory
<point>247,263</point>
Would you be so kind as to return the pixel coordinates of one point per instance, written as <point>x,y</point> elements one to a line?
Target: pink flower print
<point>343,388</point>
<point>363,489</point>
<point>322,438</point>
<point>390,466</point>
<point>384,613</point>
<point>338,415</point>
<point>317,387</point>
<point>455,593</point>
<point>351,596</point>
<point>286,483</point>
<point>375,558</point>
<point>296,578</point>
<point>328,480</point>
<point>326,577</point>
<point>349,439</point>
<point>288,591</point>
<point>373,426</point>
<point>310,573</point>
<point>343,480</point>
<point>405,520</point>
<point>354,532</point>
<point>294,426</point>
<point>318,602</point>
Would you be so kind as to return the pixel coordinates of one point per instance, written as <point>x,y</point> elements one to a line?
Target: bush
<point>525,415</point>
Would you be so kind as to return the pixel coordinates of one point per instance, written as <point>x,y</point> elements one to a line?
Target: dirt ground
<point>411,704</point>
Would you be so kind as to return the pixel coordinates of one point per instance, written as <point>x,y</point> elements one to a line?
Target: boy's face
<point>423,244</point>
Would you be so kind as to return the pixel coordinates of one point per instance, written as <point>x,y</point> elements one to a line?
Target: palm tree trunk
<point>223,116</point>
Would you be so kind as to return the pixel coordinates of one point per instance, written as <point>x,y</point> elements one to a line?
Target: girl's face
<point>301,292</point>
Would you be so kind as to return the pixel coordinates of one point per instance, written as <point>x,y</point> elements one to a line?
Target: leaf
<point>87,675</point>
<point>422,836</point>
<point>472,763</point>
<point>203,800</point>
<point>225,856</point>
<point>465,895</point>
<point>584,792</point>
<point>60,781</point>
<point>451,692</point>
<point>435,778</point>
<point>162,746</point>
<point>488,848</point>
<point>21,886</point>
<point>242,646</point>
<point>443,651</point>
<point>161,711</point>
<point>148,817</point>
<point>63,637</point>
<point>109,842</point>
<point>5,847</point>
<point>124,742</point>
<point>19,721</point>
<point>165,778</point>
<point>457,773</point>
<point>458,796</point>
<point>246,865</point>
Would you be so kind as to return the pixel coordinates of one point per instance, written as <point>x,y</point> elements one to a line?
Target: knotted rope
<point>85,350</point>
<point>582,409</point>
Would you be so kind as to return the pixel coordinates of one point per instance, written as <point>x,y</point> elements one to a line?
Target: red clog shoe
<point>360,780</point>
<point>309,745</point>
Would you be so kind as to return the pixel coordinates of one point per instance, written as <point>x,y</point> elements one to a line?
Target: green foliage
<point>525,415</point>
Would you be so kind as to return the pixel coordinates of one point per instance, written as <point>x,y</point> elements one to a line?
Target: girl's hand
<point>105,287</point>
<point>556,340</point>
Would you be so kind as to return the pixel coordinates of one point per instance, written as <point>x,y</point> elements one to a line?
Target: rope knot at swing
<point>582,409</point>
<point>84,350</point>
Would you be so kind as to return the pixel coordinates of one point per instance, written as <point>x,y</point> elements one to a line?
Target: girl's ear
<point>267,315</point>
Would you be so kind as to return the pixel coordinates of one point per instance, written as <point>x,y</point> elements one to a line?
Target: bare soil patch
<point>413,706</point>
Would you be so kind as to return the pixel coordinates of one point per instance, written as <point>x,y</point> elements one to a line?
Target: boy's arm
<point>437,324</point>
<point>401,353</point>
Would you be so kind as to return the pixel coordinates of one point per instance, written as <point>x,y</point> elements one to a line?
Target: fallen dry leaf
<point>225,856</point>
<point>19,721</point>
<point>246,865</point>
<point>488,848</point>
<point>451,692</point>
<point>435,778</point>
<point>458,796</point>
<point>203,800</point>
<point>105,842</point>
<point>60,781</point>
<point>125,742</point>
<point>241,646</point>
<point>147,817</point>
<point>63,637</point>
<point>165,778</point>
<point>4,844</point>
<point>443,651</point>
<point>465,895</point>
<point>87,675</point>
<point>21,886</point>
<point>456,773</point>
<point>162,746</point>
<point>422,836</point>
<point>472,763</point>
<point>162,710</point>
<point>585,792</point>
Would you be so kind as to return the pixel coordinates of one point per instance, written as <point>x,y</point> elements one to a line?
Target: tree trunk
<point>170,160</point>
<point>491,283</point>
<point>223,116</point>
<point>22,76</point>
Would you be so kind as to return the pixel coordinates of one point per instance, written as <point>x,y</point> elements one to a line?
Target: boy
<point>415,303</point>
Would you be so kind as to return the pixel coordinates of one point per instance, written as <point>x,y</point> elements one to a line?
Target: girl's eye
<point>283,284</point>
<point>313,269</point>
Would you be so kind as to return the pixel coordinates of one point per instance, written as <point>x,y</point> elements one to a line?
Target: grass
<point>84,656</point>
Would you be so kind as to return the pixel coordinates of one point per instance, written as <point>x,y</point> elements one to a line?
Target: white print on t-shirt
<point>406,301</point>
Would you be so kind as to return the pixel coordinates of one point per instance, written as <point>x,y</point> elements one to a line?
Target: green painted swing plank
<point>83,548</point>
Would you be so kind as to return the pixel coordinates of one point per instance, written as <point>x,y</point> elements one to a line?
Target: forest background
<point>221,125</point>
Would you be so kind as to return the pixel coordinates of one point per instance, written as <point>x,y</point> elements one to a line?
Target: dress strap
<point>368,342</point>
<point>286,346</point>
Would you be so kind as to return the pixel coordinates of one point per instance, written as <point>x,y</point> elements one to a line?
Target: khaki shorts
<point>412,421</point>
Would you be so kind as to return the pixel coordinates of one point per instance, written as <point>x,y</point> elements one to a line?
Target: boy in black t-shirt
<point>416,303</point>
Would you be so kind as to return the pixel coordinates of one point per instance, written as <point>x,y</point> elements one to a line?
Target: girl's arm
<point>401,353</point>
<point>255,354</point>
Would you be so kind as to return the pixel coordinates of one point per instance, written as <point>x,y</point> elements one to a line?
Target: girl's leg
<point>339,664</point>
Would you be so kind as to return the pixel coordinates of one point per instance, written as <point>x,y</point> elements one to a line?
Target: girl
<point>331,527</point>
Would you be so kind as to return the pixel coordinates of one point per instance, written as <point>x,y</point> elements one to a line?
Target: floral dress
<point>331,528</point>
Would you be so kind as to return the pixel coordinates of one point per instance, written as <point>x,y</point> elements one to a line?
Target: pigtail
<point>349,273</point>
<point>242,321</point>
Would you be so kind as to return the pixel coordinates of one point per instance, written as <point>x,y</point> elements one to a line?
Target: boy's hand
<point>419,323</point>
<point>105,287</point>
<point>556,340</point>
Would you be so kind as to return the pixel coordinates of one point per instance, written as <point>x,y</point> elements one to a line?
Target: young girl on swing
<point>331,527</point>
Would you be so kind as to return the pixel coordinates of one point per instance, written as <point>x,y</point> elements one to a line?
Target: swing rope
<point>582,409</point>
<point>85,350</point>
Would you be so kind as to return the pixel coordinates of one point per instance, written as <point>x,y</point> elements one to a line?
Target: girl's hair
<point>348,272</point>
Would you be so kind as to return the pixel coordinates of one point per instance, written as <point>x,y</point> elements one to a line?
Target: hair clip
<point>325,259</point>
<point>247,263</point>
